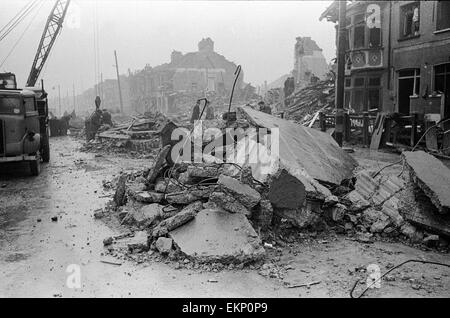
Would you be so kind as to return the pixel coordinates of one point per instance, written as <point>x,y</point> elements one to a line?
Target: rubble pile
<point>142,136</point>
<point>227,213</point>
<point>303,104</point>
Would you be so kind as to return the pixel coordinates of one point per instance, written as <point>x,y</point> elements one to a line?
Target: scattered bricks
<point>147,196</point>
<point>263,215</point>
<point>119,196</point>
<point>199,171</point>
<point>167,186</point>
<point>245,194</point>
<point>164,245</point>
<point>184,216</point>
<point>286,191</point>
<point>228,203</point>
<point>184,197</point>
<point>138,243</point>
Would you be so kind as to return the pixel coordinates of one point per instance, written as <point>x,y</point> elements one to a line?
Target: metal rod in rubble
<point>237,73</point>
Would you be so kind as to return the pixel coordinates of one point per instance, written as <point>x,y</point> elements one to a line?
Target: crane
<point>52,28</point>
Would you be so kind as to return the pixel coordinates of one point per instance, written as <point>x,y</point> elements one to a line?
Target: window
<point>441,77</point>
<point>10,105</point>
<point>365,94</point>
<point>29,104</point>
<point>409,20</point>
<point>443,15</point>
<point>414,75</point>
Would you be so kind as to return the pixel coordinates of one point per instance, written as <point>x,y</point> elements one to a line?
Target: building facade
<point>397,55</point>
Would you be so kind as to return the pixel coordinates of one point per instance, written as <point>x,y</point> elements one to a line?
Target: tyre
<point>45,148</point>
<point>35,167</point>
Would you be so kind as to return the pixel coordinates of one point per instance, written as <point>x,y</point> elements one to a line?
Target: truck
<point>24,127</point>
<point>24,123</point>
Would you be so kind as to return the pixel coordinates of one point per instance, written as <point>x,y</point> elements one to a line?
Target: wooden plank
<point>377,131</point>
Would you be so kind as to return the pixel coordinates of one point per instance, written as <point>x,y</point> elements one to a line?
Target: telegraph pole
<point>339,132</point>
<point>118,83</point>
<point>73,93</point>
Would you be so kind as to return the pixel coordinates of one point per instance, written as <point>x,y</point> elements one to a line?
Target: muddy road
<point>38,253</point>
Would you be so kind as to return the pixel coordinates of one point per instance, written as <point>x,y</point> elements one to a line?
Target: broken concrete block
<point>184,178</point>
<point>391,209</point>
<point>228,203</point>
<point>388,186</point>
<point>139,242</point>
<point>184,197</point>
<point>304,148</point>
<point>411,232</point>
<point>263,215</point>
<point>245,194</point>
<point>119,195</point>
<point>216,235</point>
<point>375,220</point>
<point>144,216</point>
<point>308,215</point>
<point>184,216</point>
<point>203,191</point>
<point>286,191</point>
<point>164,245</point>
<point>202,171</point>
<point>431,240</point>
<point>147,196</point>
<point>365,184</point>
<point>337,212</point>
<point>358,201</point>
<point>168,186</point>
<point>432,176</point>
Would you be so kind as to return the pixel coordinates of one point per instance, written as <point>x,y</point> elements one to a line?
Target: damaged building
<point>397,56</point>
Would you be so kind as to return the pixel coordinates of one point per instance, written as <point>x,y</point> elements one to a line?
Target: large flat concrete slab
<point>217,235</point>
<point>306,148</point>
<point>432,176</point>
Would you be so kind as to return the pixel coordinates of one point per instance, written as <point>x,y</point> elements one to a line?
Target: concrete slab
<point>306,148</point>
<point>432,176</point>
<point>216,235</point>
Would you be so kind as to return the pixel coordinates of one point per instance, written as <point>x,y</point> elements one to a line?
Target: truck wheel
<point>45,148</point>
<point>35,167</point>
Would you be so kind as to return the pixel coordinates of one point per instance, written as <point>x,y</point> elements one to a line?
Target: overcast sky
<point>259,35</point>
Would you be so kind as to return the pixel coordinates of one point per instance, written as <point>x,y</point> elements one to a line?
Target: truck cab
<point>24,127</point>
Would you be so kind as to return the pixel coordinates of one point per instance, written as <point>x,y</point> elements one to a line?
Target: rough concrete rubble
<point>212,212</point>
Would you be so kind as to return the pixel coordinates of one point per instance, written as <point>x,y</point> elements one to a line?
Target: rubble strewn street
<point>181,171</point>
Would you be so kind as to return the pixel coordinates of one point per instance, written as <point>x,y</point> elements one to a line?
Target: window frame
<point>416,76</point>
<point>402,9</point>
<point>437,28</point>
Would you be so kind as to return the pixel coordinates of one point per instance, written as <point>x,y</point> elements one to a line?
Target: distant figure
<point>93,123</point>
<point>106,118</point>
<point>98,101</point>
<point>195,112</point>
<point>209,112</point>
<point>264,108</point>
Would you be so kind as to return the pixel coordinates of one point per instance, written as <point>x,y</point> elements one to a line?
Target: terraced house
<point>397,56</point>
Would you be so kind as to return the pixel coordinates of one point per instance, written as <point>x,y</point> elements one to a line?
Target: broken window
<point>414,75</point>
<point>374,37</point>
<point>443,15</point>
<point>408,85</point>
<point>365,93</point>
<point>409,20</point>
